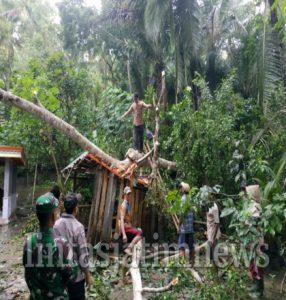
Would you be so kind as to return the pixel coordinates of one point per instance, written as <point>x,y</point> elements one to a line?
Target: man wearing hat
<point>129,234</point>
<point>255,271</point>
<point>45,257</point>
<point>186,226</point>
<point>72,230</point>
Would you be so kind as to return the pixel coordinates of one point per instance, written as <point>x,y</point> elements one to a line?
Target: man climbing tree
<point>138,130</point>
<point>129,233</point>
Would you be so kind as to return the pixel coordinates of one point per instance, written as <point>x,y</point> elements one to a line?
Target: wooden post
<point>35,180</point>
<point>96,207</point>
<point>132,201</point>
<point>153,220</point>
<point>74,182</point>
<point>117,229</point>
<point>108,211</point>
<point>91,213</point>
<point>136,208</point>
<point>140,210</point>
<point>101,206</point>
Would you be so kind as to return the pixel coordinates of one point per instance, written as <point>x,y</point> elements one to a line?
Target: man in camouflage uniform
<point>45,258</point>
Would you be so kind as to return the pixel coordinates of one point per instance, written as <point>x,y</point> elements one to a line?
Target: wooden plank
<point>107,215</point>
<point>140,211</point>
<point>111,210</point>
<point>74,181</point>
<point>101,206</point>
<point>136,207</point>
<point>91,213</point>
<point>153,220</point>
<point>96,206</point>
<point>132,197</point>
<point>120,198</point>
<point>146,221</point>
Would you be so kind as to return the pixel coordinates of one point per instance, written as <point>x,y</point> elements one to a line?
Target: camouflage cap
<point>46,203</point>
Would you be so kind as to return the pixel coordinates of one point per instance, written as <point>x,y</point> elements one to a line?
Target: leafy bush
<point>202,142</point>
<point>113,134</point>
<point>232,286</point>
<point>31,225</point>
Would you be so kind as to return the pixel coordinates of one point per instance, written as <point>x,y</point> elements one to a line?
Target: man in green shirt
<point>45,258</point>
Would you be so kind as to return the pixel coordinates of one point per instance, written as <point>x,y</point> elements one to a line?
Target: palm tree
<point>177,22</point>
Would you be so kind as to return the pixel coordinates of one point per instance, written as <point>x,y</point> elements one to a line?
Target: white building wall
<point>9,198</point>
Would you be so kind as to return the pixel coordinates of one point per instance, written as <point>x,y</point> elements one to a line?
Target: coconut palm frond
<point>156,14</point>
<point>275,184</point>
<point>188,39</point>
<point>272,69</point>
<point>213,25</point>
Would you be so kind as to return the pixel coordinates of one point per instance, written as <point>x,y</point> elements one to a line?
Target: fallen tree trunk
<point>138,290</point>
<point>48,117</point>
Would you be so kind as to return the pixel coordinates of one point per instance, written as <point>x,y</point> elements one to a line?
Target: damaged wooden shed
<point>102,213</point>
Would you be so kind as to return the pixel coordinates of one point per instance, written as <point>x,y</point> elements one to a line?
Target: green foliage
<point>31,225</point>
<point>273,202</point>
<point>203,141</point>
<point>101,282</point>
<point>280,6</point>
<point>174,205</point>
<point>62,88</point>
<point>243,227</point>
<point>232,286</point>
<point>112,133</point>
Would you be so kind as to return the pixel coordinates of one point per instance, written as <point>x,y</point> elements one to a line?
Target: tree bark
<point>157,127</point>
<point>69,130</point>
<point>138,289</point>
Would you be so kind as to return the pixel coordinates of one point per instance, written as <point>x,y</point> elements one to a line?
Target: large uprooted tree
<point>37,110</point>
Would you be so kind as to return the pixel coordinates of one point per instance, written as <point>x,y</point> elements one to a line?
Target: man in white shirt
<point>213,229</point>
<point>72,230</point>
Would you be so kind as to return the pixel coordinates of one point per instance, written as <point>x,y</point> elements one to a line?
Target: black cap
<point>71,201</point>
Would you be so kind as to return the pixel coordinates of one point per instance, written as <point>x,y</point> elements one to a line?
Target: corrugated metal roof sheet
<point>87,161</point>
<point>15,153</point>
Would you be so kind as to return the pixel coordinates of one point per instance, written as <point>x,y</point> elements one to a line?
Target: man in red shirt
<point>138,130</point>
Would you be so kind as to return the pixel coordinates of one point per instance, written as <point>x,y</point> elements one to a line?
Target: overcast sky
<point>95,3</point>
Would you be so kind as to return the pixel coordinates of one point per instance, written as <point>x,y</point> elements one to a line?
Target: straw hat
<point>253,192</point>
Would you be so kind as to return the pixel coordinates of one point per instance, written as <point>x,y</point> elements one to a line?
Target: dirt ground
<point>12,283</point>
<point>13,286</point>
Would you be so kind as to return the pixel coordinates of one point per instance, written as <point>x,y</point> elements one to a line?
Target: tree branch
<point>161,289</point>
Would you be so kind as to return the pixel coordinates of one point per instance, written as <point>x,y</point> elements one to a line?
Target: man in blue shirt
<point>186,226</point>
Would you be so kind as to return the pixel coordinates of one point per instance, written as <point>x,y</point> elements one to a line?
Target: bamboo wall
<point>105,208</point>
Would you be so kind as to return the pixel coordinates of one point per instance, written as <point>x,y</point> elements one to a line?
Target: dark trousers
<point>76,290</point>
<point>138,136</point>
